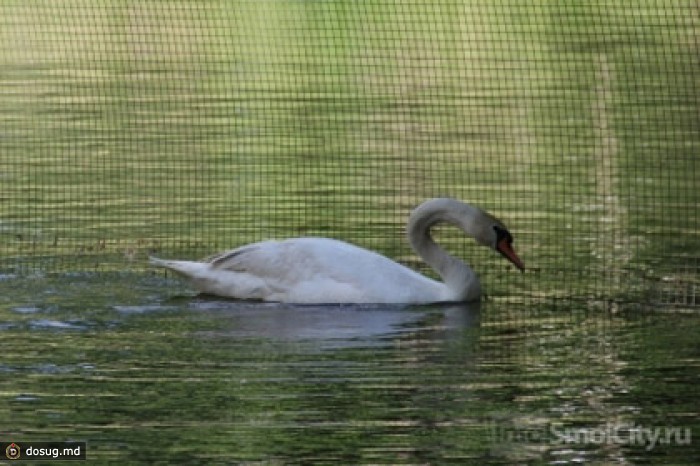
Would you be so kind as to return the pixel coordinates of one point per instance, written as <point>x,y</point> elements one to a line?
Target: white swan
<point>321,270</point>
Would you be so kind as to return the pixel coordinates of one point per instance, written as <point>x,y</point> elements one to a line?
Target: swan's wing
<point>236,260</point>
<point>294,264</point>
<point>260,259</point>
<point>302,270</point>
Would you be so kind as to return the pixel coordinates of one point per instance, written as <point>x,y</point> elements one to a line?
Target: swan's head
<point>493,233</point>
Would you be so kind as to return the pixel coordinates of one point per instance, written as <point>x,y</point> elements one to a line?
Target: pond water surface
<point>144,370</point>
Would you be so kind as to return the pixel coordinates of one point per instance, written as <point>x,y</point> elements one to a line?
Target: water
<point>144,370</point>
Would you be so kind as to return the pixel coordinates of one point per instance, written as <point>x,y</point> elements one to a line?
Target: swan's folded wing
<point>267,259</point>
<point>236,260</point>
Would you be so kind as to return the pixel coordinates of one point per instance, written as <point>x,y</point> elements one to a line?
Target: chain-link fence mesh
<point>185,128</point>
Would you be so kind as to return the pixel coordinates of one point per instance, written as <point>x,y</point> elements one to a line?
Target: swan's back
<point>309,270</point>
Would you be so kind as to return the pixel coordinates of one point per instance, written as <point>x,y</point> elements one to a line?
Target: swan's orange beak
<point>505,248</point>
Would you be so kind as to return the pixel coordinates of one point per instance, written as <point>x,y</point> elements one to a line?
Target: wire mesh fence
<point>184,128</point>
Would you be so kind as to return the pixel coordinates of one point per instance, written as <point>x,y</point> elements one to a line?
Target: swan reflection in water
<point>335,326</point>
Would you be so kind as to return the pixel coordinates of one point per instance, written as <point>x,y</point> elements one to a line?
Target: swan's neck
<point>459,278</point>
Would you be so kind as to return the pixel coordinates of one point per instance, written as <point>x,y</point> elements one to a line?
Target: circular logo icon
<point>12,451</point>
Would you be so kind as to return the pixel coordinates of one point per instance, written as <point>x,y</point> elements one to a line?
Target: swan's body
<point>321,270</point>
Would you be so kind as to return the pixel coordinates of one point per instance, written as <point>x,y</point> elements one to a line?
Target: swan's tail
<point>214,281</point>
<point>186,268</point>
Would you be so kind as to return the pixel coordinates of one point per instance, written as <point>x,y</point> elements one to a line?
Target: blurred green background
<point>183,128</point>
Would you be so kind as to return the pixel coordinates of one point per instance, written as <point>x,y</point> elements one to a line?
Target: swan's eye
<point>502,234</point>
